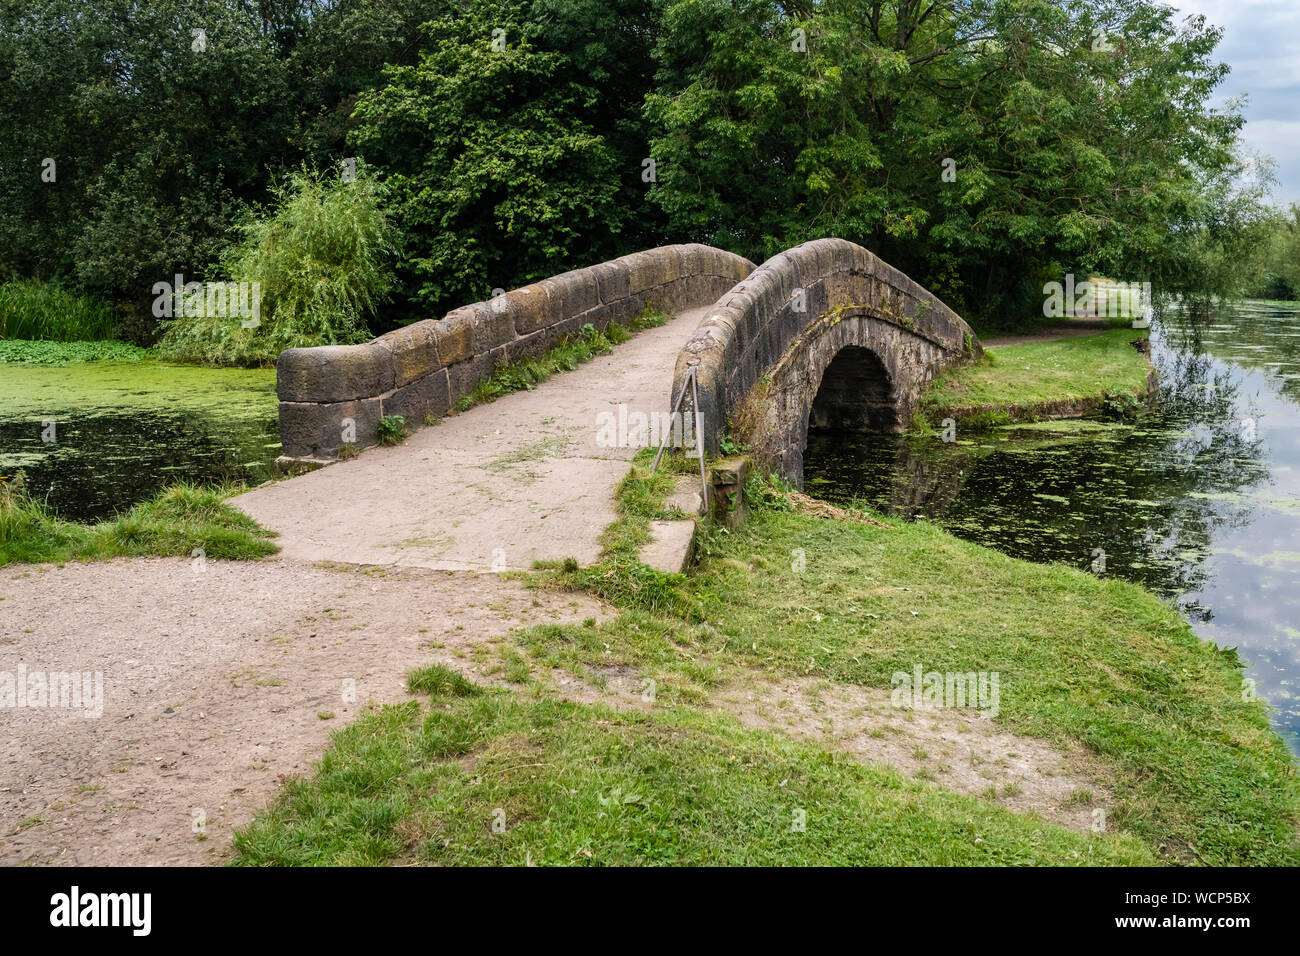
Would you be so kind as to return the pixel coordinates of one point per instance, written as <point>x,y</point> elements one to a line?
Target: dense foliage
<point>514,145</point>
<point>317,264</point>
<point>32,309</point>
<point>983,146</point>
<point>1274,272</point>
<point>1075,136</point>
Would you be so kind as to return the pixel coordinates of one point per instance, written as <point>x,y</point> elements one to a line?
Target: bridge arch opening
<point>855,394</point>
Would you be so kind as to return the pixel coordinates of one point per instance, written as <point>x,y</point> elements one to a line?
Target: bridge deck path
<point>523,474</point>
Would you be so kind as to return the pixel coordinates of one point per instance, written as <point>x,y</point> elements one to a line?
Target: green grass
<point>1194,772</point>
<point>565,356</point>
<point>1015,382</point>
<point>30,309</point>
<point>392,430</point>
<point>568,784</point>
<point>619,577</point>
<point>180,519</point>
<point>1198,772</point>
<point>29,352</point>
<point>439,680</point>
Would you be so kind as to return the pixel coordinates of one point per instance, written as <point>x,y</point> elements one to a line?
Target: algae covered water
<point>1199,500</point>
<point>94,438</point>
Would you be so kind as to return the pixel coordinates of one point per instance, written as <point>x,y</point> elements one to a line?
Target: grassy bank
<point>179,520</point>
<point>1186,770</point>
<point>1062,378</point>
<point>579,785</point>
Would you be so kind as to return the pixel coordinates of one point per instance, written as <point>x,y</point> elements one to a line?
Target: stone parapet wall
<point>333,393</point>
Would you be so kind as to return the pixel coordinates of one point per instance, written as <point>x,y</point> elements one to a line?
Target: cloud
<point>1261,42</point>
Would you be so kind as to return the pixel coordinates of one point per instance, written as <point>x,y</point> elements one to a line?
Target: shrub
<point>392,430</point>
<point>179,520</point>
<point>439,681</point>
<point>323,258</point>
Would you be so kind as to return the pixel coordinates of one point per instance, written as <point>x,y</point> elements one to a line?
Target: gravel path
<point>1067,329</point>
<point>218,685</point>
<point>221,682</point>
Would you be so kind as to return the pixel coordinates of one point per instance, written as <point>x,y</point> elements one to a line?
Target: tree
<point>319,262</point>
<point>161,120</point>
<point>512,146</point>
<point>976,144</point>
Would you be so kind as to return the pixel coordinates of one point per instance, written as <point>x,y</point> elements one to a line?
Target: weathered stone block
<point>569,328</point>
<point>727,485</point>
<point>321,429</point>
<point>527,347</point>
<point>454,336</point>
<point>736,267</point>
<point>601,316</point>
<point>816,301</point>
<point>492,326</point>
<point>741,298</point>
<point>612,281</point>
<point>532,307</point>
<point>415,354</point>
<point>864,260</point>
<point>288,465</point>
<point>574,292</point>
<point>695,259</point>
<point>428,396</point>
<point>649,269</point>
<point>462,377</point>
<point>333,373</point>
<point>800,264</point>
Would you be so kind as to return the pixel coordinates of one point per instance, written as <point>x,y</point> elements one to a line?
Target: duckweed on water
<point>123,431</point>
<point>1188,504</point>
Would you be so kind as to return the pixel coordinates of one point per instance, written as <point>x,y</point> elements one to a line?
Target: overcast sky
<point>1261,42</point>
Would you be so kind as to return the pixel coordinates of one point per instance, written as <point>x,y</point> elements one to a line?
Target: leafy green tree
<point>976,144</point>
<point>1271,268</point>
<point>160,119</point>
<point>513,146</point>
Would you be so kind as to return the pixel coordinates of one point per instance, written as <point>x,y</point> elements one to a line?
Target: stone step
<point>670,546</point>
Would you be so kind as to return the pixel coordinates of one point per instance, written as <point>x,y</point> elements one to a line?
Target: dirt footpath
<point>218,683</point>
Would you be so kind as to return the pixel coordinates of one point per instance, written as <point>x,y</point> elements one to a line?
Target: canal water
<point>1198,500</point>
<point>124,430</point>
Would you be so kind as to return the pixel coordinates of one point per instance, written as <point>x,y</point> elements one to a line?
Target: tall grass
<point>182,518</point>
<point>323,257</point>
<point>31,309</point>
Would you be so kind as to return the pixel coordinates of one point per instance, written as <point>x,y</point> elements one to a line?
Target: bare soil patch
<point>955,749</point>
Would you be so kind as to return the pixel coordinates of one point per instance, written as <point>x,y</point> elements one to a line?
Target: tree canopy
<point>982,146</point>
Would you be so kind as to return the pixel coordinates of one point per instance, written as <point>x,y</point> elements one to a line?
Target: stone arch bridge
<point>823,334</point>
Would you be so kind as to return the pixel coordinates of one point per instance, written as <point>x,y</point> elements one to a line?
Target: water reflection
<point>1199,501</point>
